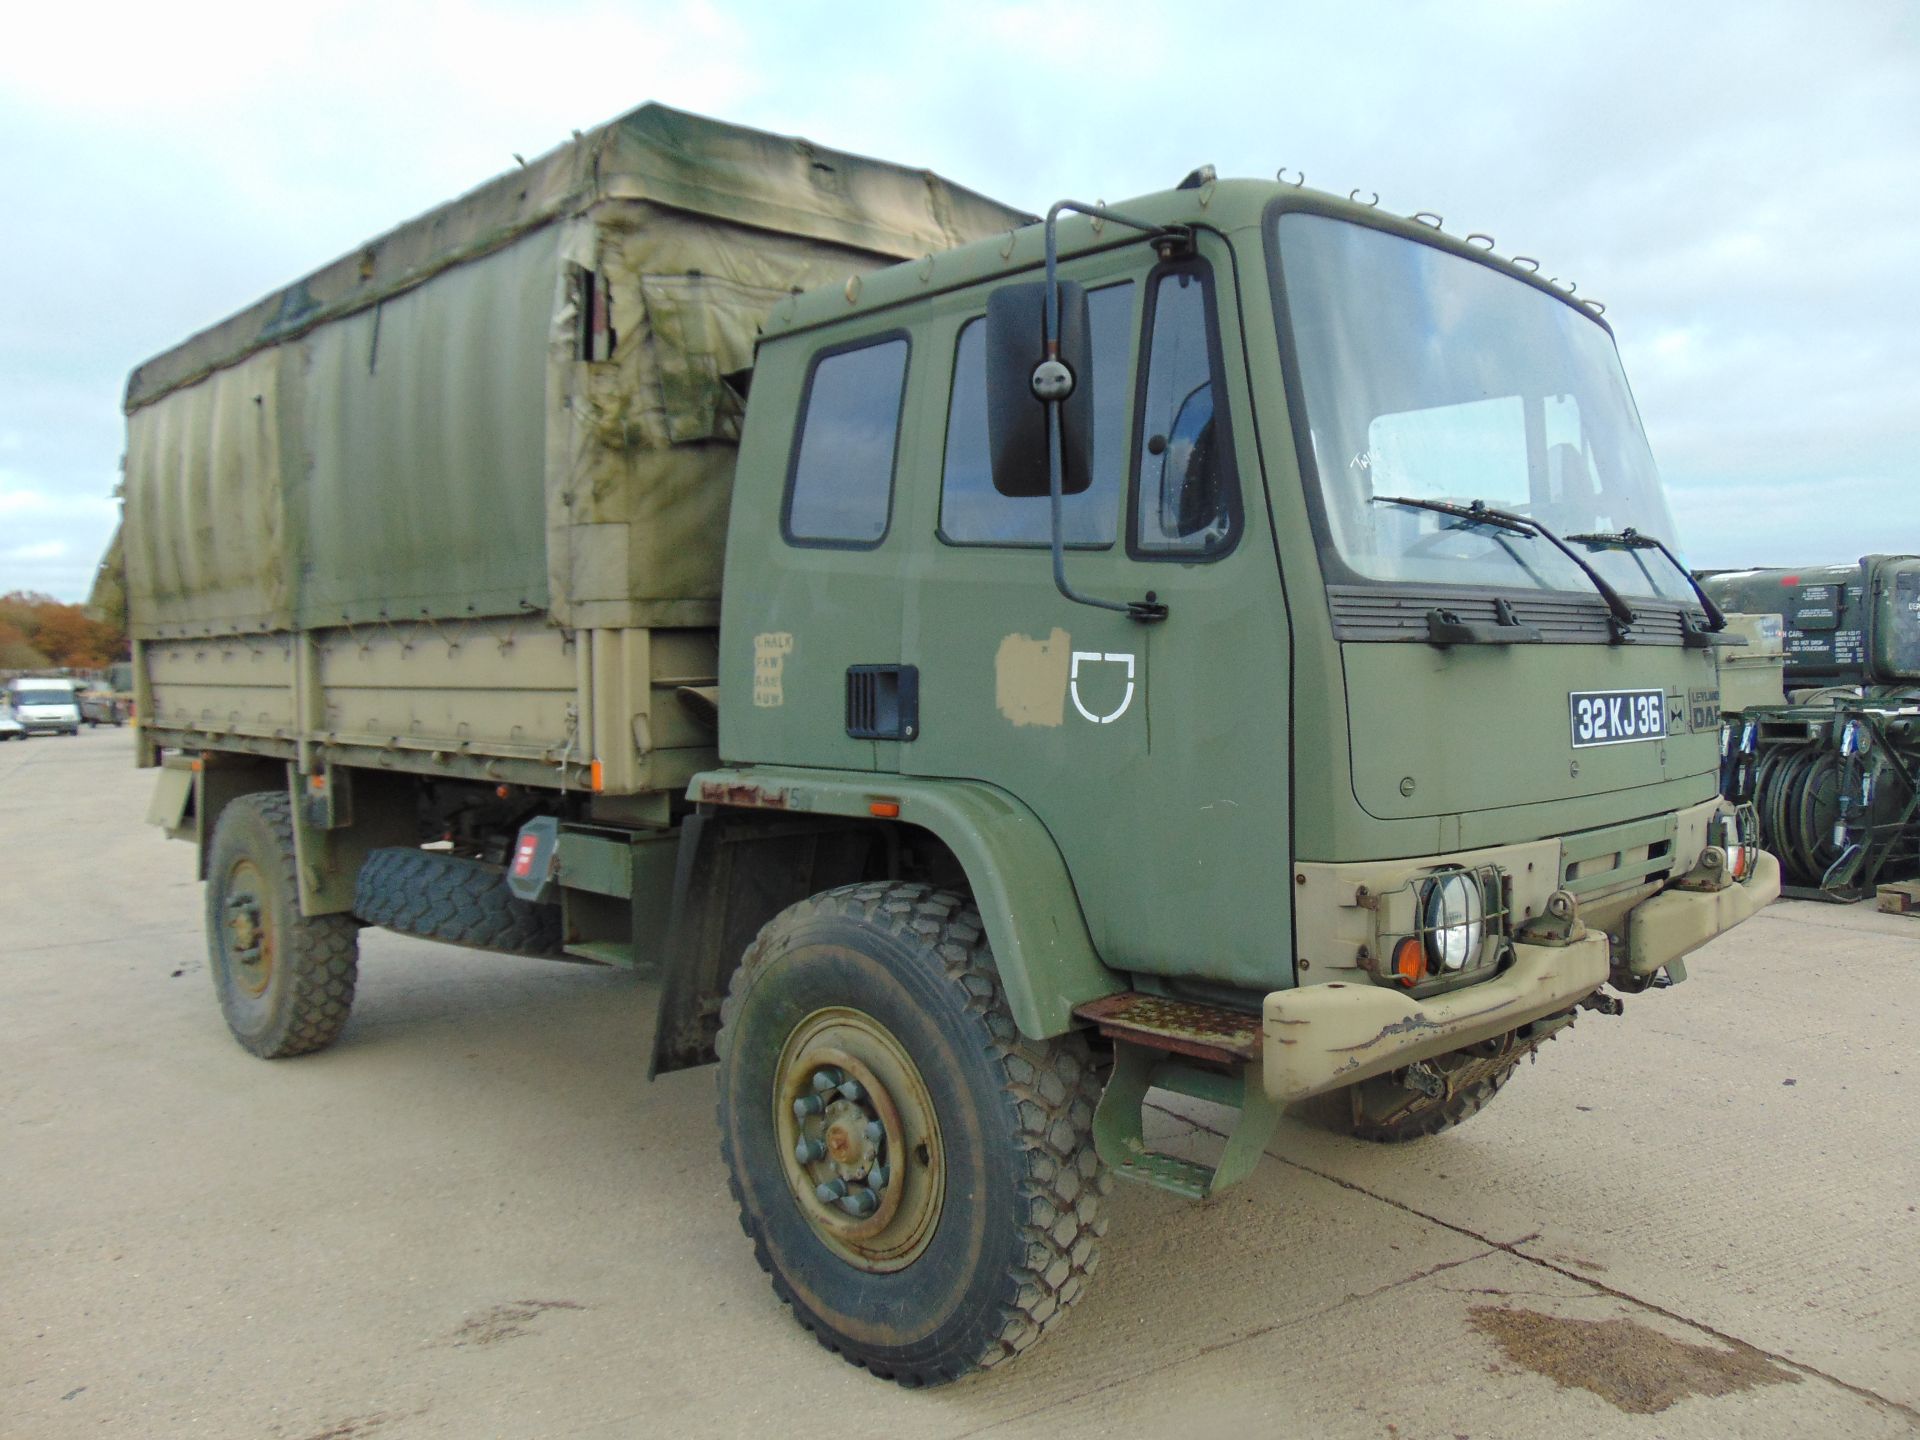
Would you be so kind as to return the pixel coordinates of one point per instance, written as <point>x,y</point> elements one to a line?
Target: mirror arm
<point>1146,611</point>
<point>1171,240</point>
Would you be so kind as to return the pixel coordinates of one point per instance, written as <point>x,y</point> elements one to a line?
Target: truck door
<point>816,599</point>
<point>1156,754</point>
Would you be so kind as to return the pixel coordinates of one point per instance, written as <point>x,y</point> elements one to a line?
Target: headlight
<point>1453,914</point>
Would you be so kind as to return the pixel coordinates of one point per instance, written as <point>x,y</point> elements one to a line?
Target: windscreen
<point>25,696</point>
<point>1430,376</point>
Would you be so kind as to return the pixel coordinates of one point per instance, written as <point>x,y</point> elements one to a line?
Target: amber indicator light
<point>1410,961</point>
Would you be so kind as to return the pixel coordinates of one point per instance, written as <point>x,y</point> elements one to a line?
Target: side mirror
<point>1016,416</point>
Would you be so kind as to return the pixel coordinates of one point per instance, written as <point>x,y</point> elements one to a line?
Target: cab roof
<point>1222,205</point>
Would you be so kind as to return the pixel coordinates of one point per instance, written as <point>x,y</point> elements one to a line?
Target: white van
<point>46,706</point>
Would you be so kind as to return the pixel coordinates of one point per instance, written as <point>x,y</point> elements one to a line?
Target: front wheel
<point>918,1178</point>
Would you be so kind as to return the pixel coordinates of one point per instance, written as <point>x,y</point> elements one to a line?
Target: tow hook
<point>1424,1078</point>
<point>1604,1003</point>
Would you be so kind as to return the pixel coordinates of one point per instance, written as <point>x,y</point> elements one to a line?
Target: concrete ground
<point>474,1217</point>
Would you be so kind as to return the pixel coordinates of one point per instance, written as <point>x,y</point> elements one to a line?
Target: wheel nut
<point>852,1089</point>
<point>878,1177</point>
<point>808,1105</point>
<point>834,1189</point>
<point>808,1151</point>
<point>860,1202</point>
<point>876,1132</point>
<point>825,1079</point>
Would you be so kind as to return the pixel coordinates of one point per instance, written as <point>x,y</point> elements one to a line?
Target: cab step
<point>1184,1027</point>
<point>1203,1051</point>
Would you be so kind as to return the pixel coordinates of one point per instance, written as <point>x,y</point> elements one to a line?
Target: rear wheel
<point>285,980</point>
<point>1388,1111</point>
<point>917,1177</point>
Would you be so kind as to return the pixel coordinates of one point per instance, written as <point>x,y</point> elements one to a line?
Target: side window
<point>841,488</point>
<point>972,512</point>
<point>1186,501</point>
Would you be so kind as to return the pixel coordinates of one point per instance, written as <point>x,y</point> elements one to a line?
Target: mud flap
<point>171,797</point>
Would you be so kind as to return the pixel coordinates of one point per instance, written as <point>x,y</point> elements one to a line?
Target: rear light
<point>523,855</point>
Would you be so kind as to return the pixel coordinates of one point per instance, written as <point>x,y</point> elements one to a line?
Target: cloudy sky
<point>1739,182</point>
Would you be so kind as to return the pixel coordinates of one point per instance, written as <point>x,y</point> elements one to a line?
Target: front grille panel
<point>1382,613</point>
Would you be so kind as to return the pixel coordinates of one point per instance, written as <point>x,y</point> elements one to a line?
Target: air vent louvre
<point>883,702</point>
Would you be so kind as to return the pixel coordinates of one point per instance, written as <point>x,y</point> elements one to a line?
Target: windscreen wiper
<point>1620,614</point>
<point>1632,539</point>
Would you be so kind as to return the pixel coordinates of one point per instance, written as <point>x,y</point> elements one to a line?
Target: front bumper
<point>1317,1038</point>
<point>1676,922</point>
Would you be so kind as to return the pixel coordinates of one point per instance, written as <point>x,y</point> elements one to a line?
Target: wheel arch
<point>331,839</point>
<point>1042,946</point>
<point>219,779</point>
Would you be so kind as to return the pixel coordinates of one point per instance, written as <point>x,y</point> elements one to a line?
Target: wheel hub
<point>861,1142</point>
<point>249,936</point>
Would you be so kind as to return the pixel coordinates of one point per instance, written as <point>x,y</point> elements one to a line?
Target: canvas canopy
<point>424,428</point>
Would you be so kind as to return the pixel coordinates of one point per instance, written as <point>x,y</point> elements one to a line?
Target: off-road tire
<point>448,898</point>
<point>1025,1192</point>
<point>1386,1112</point>
<point>315,958</point>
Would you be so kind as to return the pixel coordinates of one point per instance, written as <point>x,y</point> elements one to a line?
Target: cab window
<point>1186,498</point>
<point>972,511</point>
<point>840,491</point>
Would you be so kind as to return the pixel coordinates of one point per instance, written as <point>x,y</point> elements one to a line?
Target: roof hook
<point>1299,177</point>
<point>1354,195</point>
<point>1427,217</point>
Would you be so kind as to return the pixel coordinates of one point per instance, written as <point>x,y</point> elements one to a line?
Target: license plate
<point>1617,717</point>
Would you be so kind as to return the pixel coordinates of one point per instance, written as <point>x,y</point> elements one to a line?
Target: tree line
<point>38,632</point>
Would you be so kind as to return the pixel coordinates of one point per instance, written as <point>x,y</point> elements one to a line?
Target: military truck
<point>1829,753</point>
<point>988,667</point>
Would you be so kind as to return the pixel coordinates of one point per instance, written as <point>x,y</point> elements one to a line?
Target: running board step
<point>1184,1027</point>
<point>1119,1131</point>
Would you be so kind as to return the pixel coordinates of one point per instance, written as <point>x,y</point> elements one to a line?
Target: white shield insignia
<point>1073,684</point>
